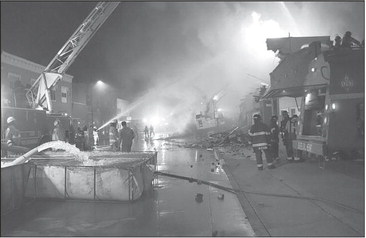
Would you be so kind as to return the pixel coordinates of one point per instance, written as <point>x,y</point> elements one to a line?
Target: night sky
<point>178,51</point>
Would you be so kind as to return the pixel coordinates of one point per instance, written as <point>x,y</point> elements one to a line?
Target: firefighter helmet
<point>274,118</point>
<point>10,120</point>
<point>56,122</point>
<point>256,117</point>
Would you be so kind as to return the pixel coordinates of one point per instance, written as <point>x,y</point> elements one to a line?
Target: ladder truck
<point>38,96</point>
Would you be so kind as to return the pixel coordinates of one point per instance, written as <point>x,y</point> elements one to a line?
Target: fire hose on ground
<point>235,191</point>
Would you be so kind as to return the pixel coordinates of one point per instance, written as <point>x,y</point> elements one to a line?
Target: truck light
<point>307,98</point>
<point>325,120</point>
<point>333,106</point>
<point>326,107</point>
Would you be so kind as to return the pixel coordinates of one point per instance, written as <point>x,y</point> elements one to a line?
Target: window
<point>314,113</point>
<point>64,94</point>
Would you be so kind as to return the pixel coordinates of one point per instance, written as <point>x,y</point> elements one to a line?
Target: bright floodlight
<point>100,83</point>
<point>215,98</point>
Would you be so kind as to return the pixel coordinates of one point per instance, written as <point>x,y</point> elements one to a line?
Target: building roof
<point>27,64</point>
<point>289,77</point>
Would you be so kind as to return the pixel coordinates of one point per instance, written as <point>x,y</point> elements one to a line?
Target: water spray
<point>146,97</point>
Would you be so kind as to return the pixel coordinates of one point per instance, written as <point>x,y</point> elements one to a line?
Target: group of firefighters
<point>149,132</point>
<point>265,138</point>
<point>84,139</point>
<point>120,140</point>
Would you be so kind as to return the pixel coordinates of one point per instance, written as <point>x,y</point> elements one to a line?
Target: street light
<point>99,84</point>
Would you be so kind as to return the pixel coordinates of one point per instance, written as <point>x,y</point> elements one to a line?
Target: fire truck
<point>331,85</point>
<point>36,123</point>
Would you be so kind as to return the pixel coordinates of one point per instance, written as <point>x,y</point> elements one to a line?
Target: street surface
<point>308,199</point>
<point>173,208</point>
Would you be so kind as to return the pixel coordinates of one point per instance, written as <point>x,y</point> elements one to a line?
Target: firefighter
<point>146,131</point>
<point>152,133</point>
<point>95,136</point>
<point>337,43</point>
<point>12,134</point>
<point>259,133</point>
<point>275,130</point>
<point>89,137</point>
<point>57,132</point>
<point>12,137</point>
<point>80,139</point>
<point>288,134</point>
<point>126,135</point>
<point>285,134</point>
<point>113,135</point>
<point>71,134</point>
<point>348,41</point>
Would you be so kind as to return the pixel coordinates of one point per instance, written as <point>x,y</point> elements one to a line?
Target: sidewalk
<point>332,197</point>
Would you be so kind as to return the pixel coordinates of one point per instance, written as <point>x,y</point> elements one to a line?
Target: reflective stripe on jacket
<point>258,134</point>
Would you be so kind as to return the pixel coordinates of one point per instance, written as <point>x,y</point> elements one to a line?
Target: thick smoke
<point>201,48</point>
<point>168,56</point>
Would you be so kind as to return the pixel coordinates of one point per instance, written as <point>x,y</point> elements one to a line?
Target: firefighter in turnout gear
<point>12,134</point>
<point>12,137</point>
<point>126,135</point>
<point>288,133</point>
<point>113,135</point>
<point>275,130</point>
<point>259,134</point>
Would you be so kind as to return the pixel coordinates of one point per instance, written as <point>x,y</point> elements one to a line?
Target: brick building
<point>18,74</point>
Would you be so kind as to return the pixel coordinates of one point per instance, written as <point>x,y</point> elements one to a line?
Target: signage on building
<point>347,74</point>
<point>347,83</point>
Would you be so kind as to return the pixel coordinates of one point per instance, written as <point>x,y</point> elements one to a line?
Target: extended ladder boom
<point>39,93</point>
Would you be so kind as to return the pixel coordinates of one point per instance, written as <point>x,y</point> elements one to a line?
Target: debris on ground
<point>199,197</point>
<point>233,143</point>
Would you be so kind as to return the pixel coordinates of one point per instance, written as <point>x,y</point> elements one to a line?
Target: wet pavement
<point>308,199</point>
<point>175,207</point>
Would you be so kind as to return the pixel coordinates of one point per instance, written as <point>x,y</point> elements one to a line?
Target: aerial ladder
<point>38,95</point>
